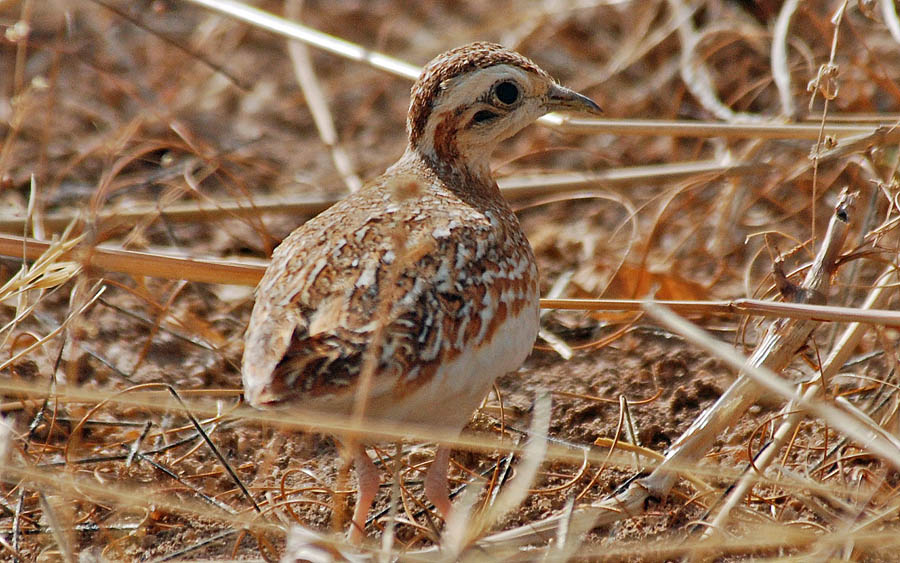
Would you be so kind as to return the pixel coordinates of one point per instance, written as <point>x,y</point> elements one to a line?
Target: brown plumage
<point>446,66</point>
<point>428,255</point>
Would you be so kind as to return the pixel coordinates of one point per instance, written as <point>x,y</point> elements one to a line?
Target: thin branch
<point>318,105</point>
<point>513,188</point>
<point>237,273</point>
<point>286,28</point>
<point>845,346</point>
<point>781,72</point>
<point>778,347</point>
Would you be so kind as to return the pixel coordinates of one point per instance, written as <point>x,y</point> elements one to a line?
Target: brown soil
<point>105,114</point>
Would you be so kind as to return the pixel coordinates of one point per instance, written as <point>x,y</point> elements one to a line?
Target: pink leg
<point>367,475</point>
<point>437,490</point>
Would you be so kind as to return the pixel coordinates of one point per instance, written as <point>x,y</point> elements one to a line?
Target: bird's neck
<point>467,175</point>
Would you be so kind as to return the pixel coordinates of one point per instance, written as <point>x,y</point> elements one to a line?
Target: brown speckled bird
<point>425,271</point>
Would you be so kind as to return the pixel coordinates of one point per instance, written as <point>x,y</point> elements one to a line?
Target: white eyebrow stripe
<point>465,89</point>
<point>468,87</point>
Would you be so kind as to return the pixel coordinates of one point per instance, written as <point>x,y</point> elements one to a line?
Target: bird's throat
<point>468,176</point>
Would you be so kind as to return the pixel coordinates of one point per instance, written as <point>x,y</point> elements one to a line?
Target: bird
<point>409,297</point>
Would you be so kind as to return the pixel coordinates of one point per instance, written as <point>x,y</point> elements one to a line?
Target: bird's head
<point>472,97</point>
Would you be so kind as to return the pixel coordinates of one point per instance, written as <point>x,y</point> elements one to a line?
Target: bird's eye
<point>483,115</point>
<point>506,92</point>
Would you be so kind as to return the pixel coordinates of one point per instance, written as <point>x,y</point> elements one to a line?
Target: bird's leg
<point>367,475</point>
<point>437,490</point>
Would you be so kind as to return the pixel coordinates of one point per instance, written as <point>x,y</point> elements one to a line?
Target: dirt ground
<point>109,106</point>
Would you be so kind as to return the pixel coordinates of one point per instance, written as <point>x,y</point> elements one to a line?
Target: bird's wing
<point>405,279</point>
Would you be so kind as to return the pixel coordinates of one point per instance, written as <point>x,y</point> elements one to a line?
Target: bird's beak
<point>560,98</point>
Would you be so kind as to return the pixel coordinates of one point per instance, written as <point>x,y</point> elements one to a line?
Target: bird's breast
<point>438,297</point>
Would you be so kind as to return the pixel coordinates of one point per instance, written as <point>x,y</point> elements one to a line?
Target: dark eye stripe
<point>483,115</point>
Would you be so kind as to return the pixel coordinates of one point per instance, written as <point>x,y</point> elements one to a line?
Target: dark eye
<point>507,92</point>
<point>483,115</point>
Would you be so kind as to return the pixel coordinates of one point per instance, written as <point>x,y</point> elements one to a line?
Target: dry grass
<point>153,153</point>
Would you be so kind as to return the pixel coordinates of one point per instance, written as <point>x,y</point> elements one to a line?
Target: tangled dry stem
<point>136,164</point>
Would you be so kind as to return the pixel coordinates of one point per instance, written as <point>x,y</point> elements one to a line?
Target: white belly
<point>458,387</point>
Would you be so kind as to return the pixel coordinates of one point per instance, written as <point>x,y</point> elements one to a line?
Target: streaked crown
<point>438,73</point>
<point>472,97</point>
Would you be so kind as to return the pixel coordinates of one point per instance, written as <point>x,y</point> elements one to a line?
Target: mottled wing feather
<point>451,273</point>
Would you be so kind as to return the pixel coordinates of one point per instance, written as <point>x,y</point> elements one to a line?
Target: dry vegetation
<point>161,127</point>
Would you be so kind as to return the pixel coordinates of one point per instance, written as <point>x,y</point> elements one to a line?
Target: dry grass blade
<point>719,129</point>
<point>306,545</point>
<point>231,472</point>
<point>889,13</point>
<point>183,212</point>
<point>555,342</point>
<point>778,347</point>
<point>544,184</point>
<point>123,496</point>
<point>318,106</point>
<point>838,356</point>
<point>140,263</point>
<point>456,532</point>
<point>830,313</point>
<point>50,273</point>
<point>301,420</point>
<point>514,187</point>
<point>781,73</point>
<point>526,471</point>
<point>47,270</point>
<point>95,293</point>
<point>164,148</point>
<point>174,43</point>
<point>693,69</point>
<point>264,20</point>
<point>874,438</point>
<point>59,528</point>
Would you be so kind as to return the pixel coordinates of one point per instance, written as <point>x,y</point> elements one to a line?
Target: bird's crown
<point>469,99</point>
<point>439,73</point>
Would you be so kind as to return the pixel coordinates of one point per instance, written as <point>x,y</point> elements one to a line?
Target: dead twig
<point>779,345</point>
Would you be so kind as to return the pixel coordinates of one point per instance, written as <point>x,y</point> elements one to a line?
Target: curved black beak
<point>560,98</point>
